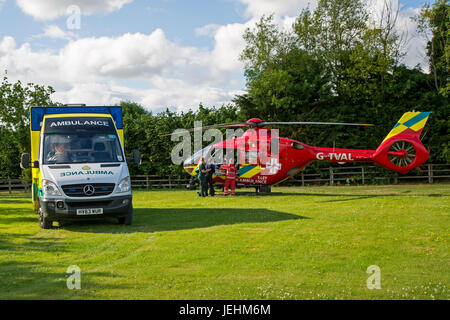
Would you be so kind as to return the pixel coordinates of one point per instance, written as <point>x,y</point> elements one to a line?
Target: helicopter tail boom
<point>401,150</point>
<point>342,155</point>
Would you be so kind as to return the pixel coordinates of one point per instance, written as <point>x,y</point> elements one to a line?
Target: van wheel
<point>44,222</point>
<point>128,220</point>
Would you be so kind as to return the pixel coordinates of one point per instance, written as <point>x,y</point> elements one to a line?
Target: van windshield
<point>80,140</point>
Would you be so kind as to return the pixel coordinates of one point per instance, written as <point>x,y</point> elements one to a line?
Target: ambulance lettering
<point>79,123</point>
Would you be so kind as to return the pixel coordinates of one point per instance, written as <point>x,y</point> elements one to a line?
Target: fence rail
<point>344,175</point>
<point>430,173</point>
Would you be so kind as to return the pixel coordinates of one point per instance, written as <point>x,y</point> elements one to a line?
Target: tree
<point>145,131</point>
<point>434,22</point>
<point>15,100</point>
<point>339,64</point>
<point>331,32</point>
<point>284,82</point>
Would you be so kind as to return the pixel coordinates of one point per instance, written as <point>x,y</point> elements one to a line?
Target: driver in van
<point>60,153</point>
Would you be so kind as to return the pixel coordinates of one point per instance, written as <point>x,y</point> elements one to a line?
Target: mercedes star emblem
<point>89,190</point>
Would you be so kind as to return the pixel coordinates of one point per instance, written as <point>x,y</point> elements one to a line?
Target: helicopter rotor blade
<point>316,123</point>
<point>263,124</point>
<point>217,126</point>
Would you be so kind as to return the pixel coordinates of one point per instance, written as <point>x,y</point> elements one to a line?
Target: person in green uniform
<point>202,178</point>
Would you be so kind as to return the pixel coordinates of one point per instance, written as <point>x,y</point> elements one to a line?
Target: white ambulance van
<point>79,169</point>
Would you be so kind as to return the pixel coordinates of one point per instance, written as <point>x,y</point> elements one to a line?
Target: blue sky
<point>160,53</point>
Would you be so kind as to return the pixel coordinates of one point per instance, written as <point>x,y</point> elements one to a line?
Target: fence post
<point>362,174</point>
<point>146,181</point>
<point>170,184</point>
<point>430,173</point>
<point>303,179</point>
<point>9,185</point>
<point>331,177</point>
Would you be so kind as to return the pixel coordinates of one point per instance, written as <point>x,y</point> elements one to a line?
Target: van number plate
<point>83,212</point>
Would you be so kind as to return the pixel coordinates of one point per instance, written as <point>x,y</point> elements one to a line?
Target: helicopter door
<point>224,155</point>
<point>272,163</point>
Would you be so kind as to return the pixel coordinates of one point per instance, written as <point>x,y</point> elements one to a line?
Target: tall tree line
<point>339,64</point>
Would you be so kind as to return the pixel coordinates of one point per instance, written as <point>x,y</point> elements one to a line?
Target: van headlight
<point>124,185</point>
<point>49,188</point>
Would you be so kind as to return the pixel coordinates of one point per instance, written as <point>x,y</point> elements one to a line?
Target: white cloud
<point>7,44</point>
<point>414,44</point>
<point>128,56</point>
<point>229,43</point>
<point>52,9</point>
<point>183,95</point>
<point>228,46</point>
<point>89,71</point>
<point>256,8</point>
<point>55,32</point>
<point>207,30</point>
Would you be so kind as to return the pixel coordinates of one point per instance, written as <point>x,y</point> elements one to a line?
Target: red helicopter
<point>261,165</point>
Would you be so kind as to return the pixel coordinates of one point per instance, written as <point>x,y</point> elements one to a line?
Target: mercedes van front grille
<point>88,189</point>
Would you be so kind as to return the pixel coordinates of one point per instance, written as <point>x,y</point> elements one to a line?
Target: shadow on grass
<point>33,280</point>
<point>338,197</point>
<point>154,219</point>
<point>35,268</point>
<point>13,200</point>
<point>11,215</point>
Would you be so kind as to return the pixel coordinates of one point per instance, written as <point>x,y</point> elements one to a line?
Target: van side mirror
<point>25,161</point>
<point>137,156</point>
<point>136,159</point>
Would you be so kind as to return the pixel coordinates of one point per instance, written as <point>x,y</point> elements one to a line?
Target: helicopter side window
<point>297,146</point>
<point>251,157</point>
<point>231,153</point>
<point>224,155</point>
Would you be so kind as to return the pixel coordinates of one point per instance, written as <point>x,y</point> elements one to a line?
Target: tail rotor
<point>402,153</point>
<point>402,150</point>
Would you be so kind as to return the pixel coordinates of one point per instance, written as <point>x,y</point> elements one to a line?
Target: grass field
<point>296,243</point>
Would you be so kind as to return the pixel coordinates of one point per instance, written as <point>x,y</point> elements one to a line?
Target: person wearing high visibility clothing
<point>230,180</point>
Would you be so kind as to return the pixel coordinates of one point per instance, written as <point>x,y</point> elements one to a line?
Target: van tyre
<point>44,222</point>
<point>127,220</point>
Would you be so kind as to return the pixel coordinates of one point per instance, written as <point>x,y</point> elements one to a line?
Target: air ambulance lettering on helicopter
<point>260,165</point>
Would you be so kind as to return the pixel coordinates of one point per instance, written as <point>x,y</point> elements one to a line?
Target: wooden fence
<point>351,175</point>
<point>343,175</point>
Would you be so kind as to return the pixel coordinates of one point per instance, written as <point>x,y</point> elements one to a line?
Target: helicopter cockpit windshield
<point>214,155</point>
<point>195,158</point>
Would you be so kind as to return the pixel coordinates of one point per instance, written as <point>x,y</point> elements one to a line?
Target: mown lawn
<point>296,243</point>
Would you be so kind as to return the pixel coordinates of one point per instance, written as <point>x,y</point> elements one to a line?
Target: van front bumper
<point>66,209</point>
